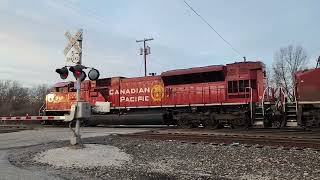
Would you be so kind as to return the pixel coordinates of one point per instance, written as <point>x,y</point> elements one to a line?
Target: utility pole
<point>145,51</point>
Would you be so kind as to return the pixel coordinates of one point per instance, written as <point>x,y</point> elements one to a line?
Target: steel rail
<point>246,139</point>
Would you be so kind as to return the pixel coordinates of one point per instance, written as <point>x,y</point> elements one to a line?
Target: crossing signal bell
<point>63,72</point>
<point>93,74</point>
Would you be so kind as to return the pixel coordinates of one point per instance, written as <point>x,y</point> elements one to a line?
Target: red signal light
<point>77,73</point>
<point>63,72</point>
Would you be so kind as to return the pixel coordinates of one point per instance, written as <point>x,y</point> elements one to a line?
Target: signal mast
<point>81,109</point>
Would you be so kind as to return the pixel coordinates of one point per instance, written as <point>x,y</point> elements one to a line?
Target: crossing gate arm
<point>33,118</point>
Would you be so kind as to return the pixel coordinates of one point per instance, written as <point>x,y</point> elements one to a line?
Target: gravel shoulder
<point>153,159</point>
<point>19,141</point>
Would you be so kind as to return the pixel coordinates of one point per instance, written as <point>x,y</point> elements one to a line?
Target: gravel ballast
<point>153,159</point>
<point>92,155</point>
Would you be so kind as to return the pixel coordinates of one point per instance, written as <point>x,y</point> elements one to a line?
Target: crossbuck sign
<point>75,44</point>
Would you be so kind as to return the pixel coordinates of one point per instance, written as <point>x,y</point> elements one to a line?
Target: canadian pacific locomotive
<point>211,96</point>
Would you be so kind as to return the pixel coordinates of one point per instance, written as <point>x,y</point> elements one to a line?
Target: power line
<point>205,21</point>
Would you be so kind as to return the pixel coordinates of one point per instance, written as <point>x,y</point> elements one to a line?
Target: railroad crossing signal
<point>63,72</point>
<point>78,72</point>
<point>74,42</point>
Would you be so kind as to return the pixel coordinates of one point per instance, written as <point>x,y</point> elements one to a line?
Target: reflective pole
<point>77,131</point>
<point>79,92</point>
<point>76,139</point>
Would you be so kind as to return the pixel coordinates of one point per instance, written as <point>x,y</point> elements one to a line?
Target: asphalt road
<point>16,140</point>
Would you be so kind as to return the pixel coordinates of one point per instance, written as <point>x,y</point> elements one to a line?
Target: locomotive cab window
<point>71,87</point>
<point>238,86</point>
<point>59,89</point>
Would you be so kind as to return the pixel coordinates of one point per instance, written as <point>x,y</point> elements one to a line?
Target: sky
<point>32,34</point>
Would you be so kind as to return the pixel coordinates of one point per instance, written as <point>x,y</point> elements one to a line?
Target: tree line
<point>287,61</point>
<point>16,100</point>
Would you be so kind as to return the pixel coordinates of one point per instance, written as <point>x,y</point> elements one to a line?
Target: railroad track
<point>283,140</point>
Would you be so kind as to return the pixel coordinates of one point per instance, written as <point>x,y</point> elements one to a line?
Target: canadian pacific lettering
<point>132,95</point>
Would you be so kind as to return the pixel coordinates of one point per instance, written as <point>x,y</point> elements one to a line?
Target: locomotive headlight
<point>50,97</point>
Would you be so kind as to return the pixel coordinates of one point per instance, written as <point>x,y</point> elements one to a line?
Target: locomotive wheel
<point>237,123</point>
<point>276,124</point>
<point>282,121</point>
<point>211,122</point>
<point>186,120</point>
<point>182,121</point>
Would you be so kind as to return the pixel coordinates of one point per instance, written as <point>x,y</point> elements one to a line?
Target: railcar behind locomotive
<point>233,94</point>
<point>307,90</point>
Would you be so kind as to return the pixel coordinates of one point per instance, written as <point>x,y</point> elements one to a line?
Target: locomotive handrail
<point>280,91</point>
<point>41,108</point>
<point>296,100</point>
<point>284,99</point>
<point>251,102</point>
<point>262,105</point>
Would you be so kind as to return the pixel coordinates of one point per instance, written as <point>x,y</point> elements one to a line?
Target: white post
<point>77,128</point>
<point>75,139</point>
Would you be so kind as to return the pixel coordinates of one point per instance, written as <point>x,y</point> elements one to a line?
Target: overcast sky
<point>32,34</point>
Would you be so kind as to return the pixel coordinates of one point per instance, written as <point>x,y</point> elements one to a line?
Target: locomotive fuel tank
<point>128,119</point>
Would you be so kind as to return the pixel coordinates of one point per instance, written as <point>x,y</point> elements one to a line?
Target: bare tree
<point>37,97</point>
<point>287,61</point>
<point>18,100</point>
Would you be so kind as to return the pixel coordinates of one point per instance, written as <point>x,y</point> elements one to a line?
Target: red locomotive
<point>233,94</point>
<point>308,97</point>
